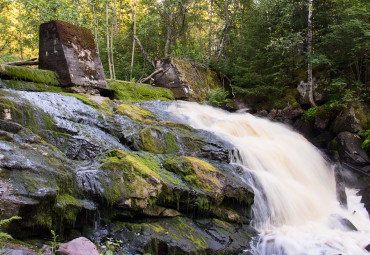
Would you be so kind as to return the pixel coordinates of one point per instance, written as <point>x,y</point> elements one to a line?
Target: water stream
<point>295,209</point>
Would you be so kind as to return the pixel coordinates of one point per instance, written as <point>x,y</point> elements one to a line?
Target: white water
<point>295,210</point>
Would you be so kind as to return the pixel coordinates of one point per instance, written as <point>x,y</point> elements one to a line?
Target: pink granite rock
<point>78,246</point>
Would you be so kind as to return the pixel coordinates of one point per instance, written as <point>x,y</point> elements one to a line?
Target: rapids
<point>296,210</point>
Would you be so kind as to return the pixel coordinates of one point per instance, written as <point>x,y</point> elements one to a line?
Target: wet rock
<point>367,248</point>
<point>349,148</point>
<point>338,222</point>
<point>287,115</point>
<point>79,246</point>
<point>347,122</point>
<point>182,235</point>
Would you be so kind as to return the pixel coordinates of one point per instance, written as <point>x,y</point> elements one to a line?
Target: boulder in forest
<point>187,80</point>
<point>70,51</point>
<point>349,148</point>
<point>347,122</point>
<point>303,88</point>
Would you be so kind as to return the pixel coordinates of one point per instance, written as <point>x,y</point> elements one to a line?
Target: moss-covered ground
<point>134,92</point>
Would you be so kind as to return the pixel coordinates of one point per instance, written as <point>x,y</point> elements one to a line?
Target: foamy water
<point>295,210</point>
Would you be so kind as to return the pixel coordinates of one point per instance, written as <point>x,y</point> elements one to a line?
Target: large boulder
<point>187,80</point>
<point>347,122</point>
<point>349,148</point>
<point>70,51</point>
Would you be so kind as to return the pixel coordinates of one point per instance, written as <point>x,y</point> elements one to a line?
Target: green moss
<point>171,143</point>
<point>31,86</point>
<point>179,125</point>
<point>200,79</point>
<point>26,115</point>
<point>134,112</point>
<point>151,139</point>
<point>85,99</point>
<point>134,92</point>
<point>128,173</point>
<point>28,74</point>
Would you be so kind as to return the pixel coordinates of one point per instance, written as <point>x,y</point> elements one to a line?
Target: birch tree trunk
<point>95,29</point>
<point>108,51</point>
<point>111,50</point>
<point>223,41</point>
<point>115,18</point>
<point>133,42</point>
<point>210,31</point>
<point>20,44</point>
<point>309,68</point>
<point>169,31</point>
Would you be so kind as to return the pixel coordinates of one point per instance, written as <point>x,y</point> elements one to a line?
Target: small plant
<point>217,97</point>
<point>366,143</point>
<point>54,243</point>
<point>111,245</point>
<point>3,235</point>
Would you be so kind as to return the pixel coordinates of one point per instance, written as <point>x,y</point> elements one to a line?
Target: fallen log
<point>157,71</point>
<point>29,62</point>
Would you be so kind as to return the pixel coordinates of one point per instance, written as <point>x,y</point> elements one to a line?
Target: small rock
<point>170,213</point>
<point>367,248</point>
<point>78,246</point>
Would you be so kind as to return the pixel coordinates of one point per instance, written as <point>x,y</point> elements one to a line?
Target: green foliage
<point>217,97</point>
<point>366,143</point>
<point>4,236</point>
<point>310,114</point>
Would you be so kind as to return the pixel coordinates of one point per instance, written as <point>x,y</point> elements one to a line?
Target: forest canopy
<point>261,46</point>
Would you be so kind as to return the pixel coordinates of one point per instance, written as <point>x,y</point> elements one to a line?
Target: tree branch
<point>146,55</point>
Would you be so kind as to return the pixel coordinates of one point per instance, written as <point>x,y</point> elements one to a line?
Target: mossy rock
<point>130,176</point>
<point>28,74</point>
<point>154,139</point>
<point>134,112</point>
<point>105,106</point>
<point>25,114</point>
<point>187,80</point>
<point>30,86</point>
<point>134,92</point>
<point>182,235</point>
<point>42,183</point>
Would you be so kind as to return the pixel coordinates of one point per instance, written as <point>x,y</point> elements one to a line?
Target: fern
<point>3,235</point>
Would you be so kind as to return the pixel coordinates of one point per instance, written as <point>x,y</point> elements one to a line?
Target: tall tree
<point>309,49</point>
<point>133,40</point>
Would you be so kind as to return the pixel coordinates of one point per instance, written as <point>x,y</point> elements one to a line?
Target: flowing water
<point>295,209</point>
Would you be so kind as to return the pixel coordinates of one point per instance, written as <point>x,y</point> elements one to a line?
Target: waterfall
<point>295,208</point>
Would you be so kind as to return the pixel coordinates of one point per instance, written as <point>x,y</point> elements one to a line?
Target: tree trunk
<point>115,18</point>
<point>133,41</point>
<point>309,68</point>
<point>95,29</point>
<point>111,50</point>
<point>108,51</point>
<point>29,62</point>
<point>20,44</point>
<point>168,40</point>
<point>223,42</point>
<point>146,55</point>
<point>210,31</point>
